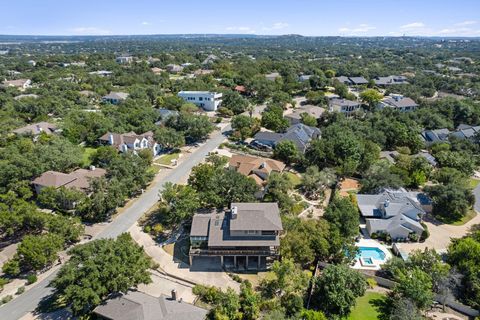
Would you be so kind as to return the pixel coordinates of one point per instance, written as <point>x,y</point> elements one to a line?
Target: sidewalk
<point>212,278</point>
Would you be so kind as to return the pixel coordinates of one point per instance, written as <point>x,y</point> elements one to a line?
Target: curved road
<point>29,300</point>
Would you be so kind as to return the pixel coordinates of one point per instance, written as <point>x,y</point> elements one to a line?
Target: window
<point>200,99</point>
<point>252,231</point>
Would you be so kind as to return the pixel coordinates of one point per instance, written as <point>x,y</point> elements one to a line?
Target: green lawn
<point>470,215</point>
<point>295,179</point>
<point>474,182</point>
<point>167,159</point>
<point>367,307</point>
<point>87,152</point>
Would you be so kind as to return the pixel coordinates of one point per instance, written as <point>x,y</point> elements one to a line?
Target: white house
<point>20,84</point>
<point>131,141</point>
<point>124,59</point>
<point>207,100</point>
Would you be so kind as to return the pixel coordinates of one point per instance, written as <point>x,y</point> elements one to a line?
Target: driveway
<point>441,234</point>
<point>29,300</point>
<point>206,273</point>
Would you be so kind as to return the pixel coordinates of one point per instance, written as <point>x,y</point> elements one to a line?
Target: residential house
<point>124,142</point>
<point>463,131</point>
<point>174,68</point>
<point>272,76</point>
<point>29,95</point>
<point>301,135</point>
<point>240,89</point>
<point>245,236</point>
<point>166,114</point>
<point>36,129</point>
<point>206,100</point>
<point>344,106</point>
<point>304,77</point>
<point>344,80</point>
<point>136,305</point>
<point>398,102</point>
<point>254,167</point>
<point>352,81</point>
<point>390,80</point>
<point>101,73</point>
<point>358,81</point>
<point>20,84</point>
<point>210,59</point>
<point>157,70</point>
<point>78,179</point>
<point>124,59</point>
<point>32,63</point>
<point>115,97</point>
<point>396,213</point>
<point>296,116</point>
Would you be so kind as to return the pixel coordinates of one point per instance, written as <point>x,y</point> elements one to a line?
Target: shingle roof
<point>141,306</point>
<point>311,110</point>
<point>400,102</point>
<point>37,128</point>
<point>250,216</point>
<point>248,166</point>
<point>116,96</point>
<point>78,179</point>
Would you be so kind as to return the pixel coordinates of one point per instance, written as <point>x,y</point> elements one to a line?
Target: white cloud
<point>145,23</point>
<point>413,25</point>
<point>241,29</point>
<point>466,23</point>
<point>277,26</point>
<point>361,28</point>
<point>90,31</point>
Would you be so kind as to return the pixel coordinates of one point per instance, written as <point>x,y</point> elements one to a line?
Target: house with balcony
<point>398,102</point>
<point>344,106</point>
<point>396,213</point>
<point>208,101</point>
<point>246,236</point>
<point>131,141</point>
<point>115,97</point>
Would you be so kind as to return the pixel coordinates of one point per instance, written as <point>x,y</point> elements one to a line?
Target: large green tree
<point>98,269</point>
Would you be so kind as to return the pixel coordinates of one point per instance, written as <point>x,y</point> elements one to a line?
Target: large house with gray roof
<point>396,213</point>
<point>245,236</point>
<point>463,131</point>
<point>115,97</point>
<point>398,102</point>
<point>301,135</point>
<point>137,305</point>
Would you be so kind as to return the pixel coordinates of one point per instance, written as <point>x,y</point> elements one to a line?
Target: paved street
<point>29,300</point>
<point>476,193</point>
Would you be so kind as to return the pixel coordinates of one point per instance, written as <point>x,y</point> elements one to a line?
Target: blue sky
<point>314,17</point>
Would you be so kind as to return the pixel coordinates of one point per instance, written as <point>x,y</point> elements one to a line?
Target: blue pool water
<point>371,253</point>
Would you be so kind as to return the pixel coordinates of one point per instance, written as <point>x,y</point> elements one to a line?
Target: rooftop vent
<point>234,212</point>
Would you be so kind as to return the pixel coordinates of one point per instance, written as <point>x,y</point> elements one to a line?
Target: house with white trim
<point>207,100</point>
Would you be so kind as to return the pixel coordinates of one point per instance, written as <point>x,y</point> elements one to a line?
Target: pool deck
<point>370,243</point>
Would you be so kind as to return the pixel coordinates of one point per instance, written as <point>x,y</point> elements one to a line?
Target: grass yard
<point>474,183</point>
<point>167,159</point>
<point>295,179</point>
<point>469,216</point>
<point>367,307</point>
<point>87,152</point>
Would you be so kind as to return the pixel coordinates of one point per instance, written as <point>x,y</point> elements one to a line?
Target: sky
<point>262,17</point>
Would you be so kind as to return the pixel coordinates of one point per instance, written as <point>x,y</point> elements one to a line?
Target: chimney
<point>234,212</point>
<point>386,203</point>
<point>174,294</point>
<point>110,138</point>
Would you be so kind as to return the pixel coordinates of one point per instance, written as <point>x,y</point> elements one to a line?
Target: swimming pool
<point>370,253</point>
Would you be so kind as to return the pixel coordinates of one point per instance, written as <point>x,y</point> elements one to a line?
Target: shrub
<point>12,267</point>
<point>147,229</point>
<point>31,278</point>
<point>7,299</point>
<point>20,290</point>
<point>372,283</point>
<point>425,234</point>
<point>413,237</point>
<point>3,282</point>
<point>157,229</point>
